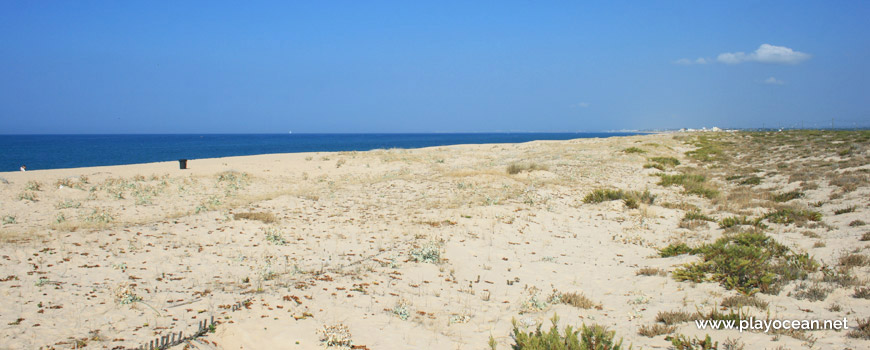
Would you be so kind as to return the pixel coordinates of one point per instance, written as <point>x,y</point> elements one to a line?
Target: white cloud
<point>773,81</point>
<point>765,53</point>
<point>583,104</point>
<point>686,61</point>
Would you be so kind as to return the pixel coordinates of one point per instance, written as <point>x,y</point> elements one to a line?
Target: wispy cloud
<point>581,105</point>
<point>773,81</point>
<point>765,53</point>
<point>686,61</point>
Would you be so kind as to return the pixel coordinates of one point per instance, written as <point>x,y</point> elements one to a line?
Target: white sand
<point>350,221</point>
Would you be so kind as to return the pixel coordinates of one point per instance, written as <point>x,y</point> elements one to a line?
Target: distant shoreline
<point>42,152</point>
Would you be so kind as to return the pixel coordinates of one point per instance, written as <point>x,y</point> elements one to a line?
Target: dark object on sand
<point>182,164</point>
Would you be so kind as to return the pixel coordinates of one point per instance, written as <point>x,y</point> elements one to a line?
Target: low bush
<point>748,261</point>
<point>667,161</point>
<point>586,338</point>
<point>516,168</point>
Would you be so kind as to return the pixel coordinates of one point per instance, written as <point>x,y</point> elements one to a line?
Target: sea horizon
<point>61,151</point>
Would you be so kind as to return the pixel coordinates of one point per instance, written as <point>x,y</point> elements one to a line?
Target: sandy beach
<point>441,248</point>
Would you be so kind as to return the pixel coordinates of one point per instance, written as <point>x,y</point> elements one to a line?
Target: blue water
<point>72,151</point>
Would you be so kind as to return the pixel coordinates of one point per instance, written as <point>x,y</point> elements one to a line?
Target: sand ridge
<point>429,248</point>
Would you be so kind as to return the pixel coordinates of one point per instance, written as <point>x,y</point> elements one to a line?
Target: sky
<point>120,67</point>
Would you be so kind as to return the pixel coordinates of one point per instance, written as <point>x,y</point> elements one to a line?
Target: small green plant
<point>675,249</point>
<point>33,186</point>
<point>428,253</point>
<point>631,199</point>
<point>811,292</point>
<point>68,203</point>
<point>682,342</point>
<point>124,295</point>
<point>865,237</point>
<point>274,236</point>
<point>401,310</point>
<point>27,196</point>
<point>533,301</point>
<point>740,220</point>
<point>696,215</point>
<point>337,335</point>
<point>692,184</point>
<point>602,195</point>
<point>845,210</point>
<point>674,317</point>
<point>751,181</point>
<point>9,219</point>
<point>789,215</point>
<point>787,196</point>
<point>631,150</point>
<point>668,161</point>
<point>593,337</point>
<point>857,223</point>
<point>100,216</point>
<point>654,166</point>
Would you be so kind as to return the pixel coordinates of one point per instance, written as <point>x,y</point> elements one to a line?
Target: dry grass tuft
<point>516,168</point>
<point>651,271</point>
<point>854,260</point>
<point>655,329</point>
<point>267,218</point>
<point>674,317</point>
<point>741,300</point>
<point>578,300</point>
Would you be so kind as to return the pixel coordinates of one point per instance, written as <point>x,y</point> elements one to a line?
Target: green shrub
<point>696,215</point>
<point>787,196</point>
<point>674,250</point>
<point>593,337</point>
<point>603,195</point>
<point>655,166</point>
<point>749,261</point>
<point>752,180</point>
<point>708,150</point>
<point>740,220</point>
<point>692,184</point>
<point>9,219</point>
<point>845,210</point>
<point>669,161</point>
<point>788,215</point>
<point>631,198</point>
<point>631,150</point>
<point>33,186</point>
<point>681,342</point>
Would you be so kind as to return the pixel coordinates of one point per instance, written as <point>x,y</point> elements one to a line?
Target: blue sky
<point>405,66</point>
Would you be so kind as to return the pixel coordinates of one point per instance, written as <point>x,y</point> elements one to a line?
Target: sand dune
<point>436,248</point>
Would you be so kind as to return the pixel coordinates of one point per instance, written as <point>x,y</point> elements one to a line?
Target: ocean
<point>73,151</point>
